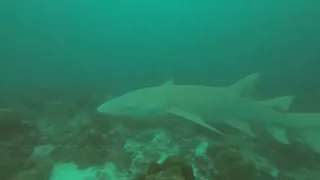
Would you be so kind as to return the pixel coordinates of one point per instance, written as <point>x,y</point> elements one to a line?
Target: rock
<point>86,147</point>
<point>41,170</point>
<point>180,163</point>
<point>231,165</point>
<point>17,140</point>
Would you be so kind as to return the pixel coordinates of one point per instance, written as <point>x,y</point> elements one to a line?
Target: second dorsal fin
<point>281,104</point>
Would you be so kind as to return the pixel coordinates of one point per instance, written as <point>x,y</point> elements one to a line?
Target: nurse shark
<point>233,105</point>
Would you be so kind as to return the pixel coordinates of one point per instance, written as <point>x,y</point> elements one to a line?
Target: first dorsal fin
<point>168,83</point>
<point>246,86</point>
<point>281,104</point>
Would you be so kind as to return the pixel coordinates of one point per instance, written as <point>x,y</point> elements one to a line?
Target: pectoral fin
<point>241,125</point>
<point>278,133</point>
<point>193,117</point>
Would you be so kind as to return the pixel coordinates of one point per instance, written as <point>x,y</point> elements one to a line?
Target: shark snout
<point>104,108</point>
<point>99,109</point>
<point>109,107</point>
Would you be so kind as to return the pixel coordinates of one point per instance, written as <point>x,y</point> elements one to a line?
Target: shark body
<point>233,105</point>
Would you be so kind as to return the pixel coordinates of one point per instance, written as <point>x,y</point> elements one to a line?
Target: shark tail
<point>304,120</point>
<point>281,104</point>
<point>306,128</point>
<point>305,125</point>
<point>246,86</point>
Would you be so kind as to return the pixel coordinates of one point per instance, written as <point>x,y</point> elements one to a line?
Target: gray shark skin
<point>233,105</point>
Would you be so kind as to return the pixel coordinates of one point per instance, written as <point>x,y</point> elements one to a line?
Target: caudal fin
<point>246,86</point>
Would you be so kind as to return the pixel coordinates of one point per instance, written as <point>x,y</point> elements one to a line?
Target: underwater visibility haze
<point>164,89</point>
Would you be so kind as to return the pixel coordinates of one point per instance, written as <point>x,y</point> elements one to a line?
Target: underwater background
<point>66,47</point>
<point>123,44</point>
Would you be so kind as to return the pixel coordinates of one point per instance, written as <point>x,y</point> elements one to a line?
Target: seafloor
<point>57,135</point>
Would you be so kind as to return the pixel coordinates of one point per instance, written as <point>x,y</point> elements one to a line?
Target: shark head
<point>139,103</point>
